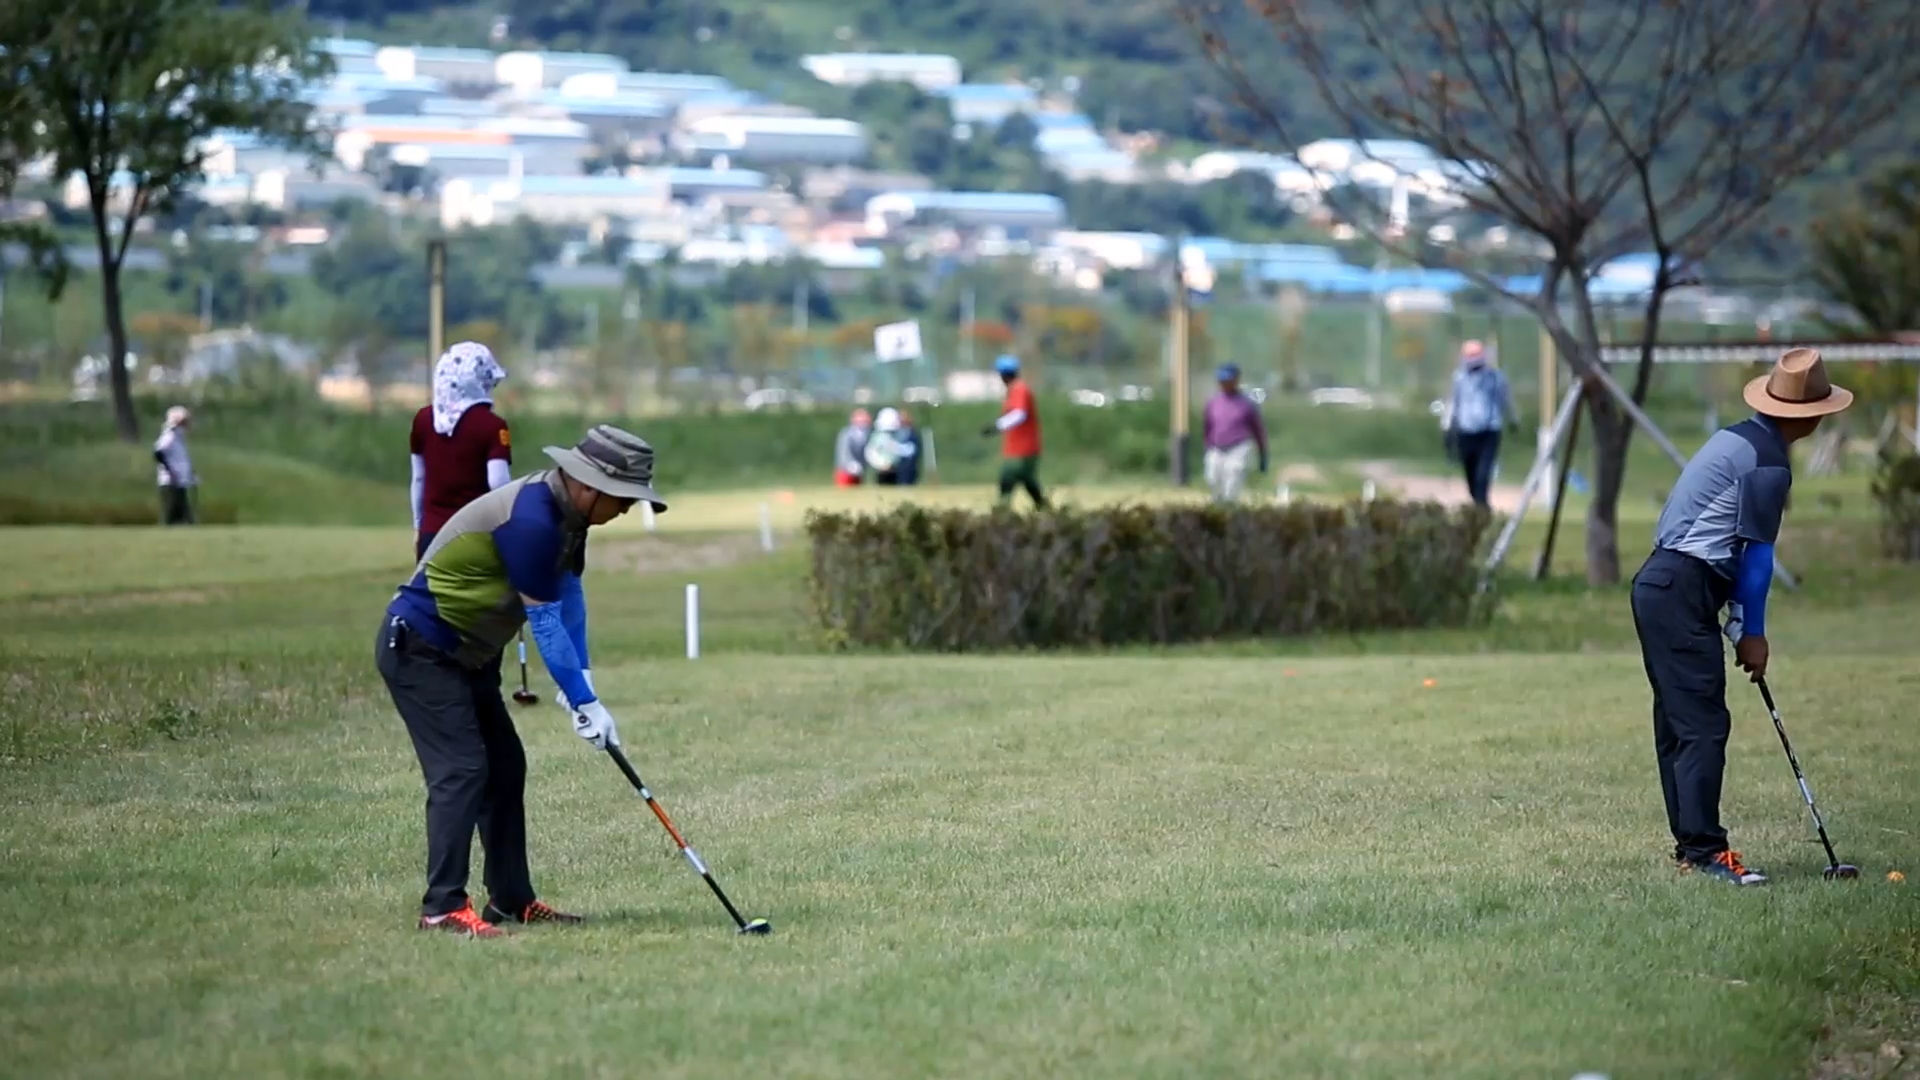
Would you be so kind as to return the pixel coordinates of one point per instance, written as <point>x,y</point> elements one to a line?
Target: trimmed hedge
<point>958,581</point>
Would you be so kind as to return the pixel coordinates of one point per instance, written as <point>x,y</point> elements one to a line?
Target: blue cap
<point>1227,371</point>
<point>1007,365</point>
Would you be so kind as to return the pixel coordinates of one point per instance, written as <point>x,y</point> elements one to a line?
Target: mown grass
<point>1272,858</point>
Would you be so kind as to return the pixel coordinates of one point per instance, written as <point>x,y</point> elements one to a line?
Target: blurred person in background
<point>888,453</point>
<point>1019,431</point>
<point>909,437</point>
<point>1480,407</point>
<point>461,449</point>
<point>1233,433</point>
<point>850,450</point>
<point>175,471</point>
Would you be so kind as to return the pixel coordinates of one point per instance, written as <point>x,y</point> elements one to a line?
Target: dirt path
<point>644,555</point>
<point>1446,490</point>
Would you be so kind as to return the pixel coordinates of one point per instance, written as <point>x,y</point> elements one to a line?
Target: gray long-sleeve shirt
<point>849,450</point>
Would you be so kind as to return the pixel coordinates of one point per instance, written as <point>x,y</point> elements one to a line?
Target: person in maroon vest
<point>461,449</point>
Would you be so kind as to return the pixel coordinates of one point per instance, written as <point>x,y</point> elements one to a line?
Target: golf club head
<point>526,697</point>
<point>1841,872</point>
<point>757,926</point>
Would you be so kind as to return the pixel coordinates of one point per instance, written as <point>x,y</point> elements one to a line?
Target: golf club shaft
<point>693,856</point>
<point>1806,792</point>
<point>523,662</point>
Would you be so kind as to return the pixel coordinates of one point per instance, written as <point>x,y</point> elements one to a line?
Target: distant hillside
<point>1137,66</point>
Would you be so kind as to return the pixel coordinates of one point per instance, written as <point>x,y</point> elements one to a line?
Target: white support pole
<point>693,622</point>
<point>1366,490</point>
<point>1283,494</point>
<point>646,515</point>
<point>1536,476</point>
<point>933,459</point>
<point>766,527</point>
<point>1660,439</point>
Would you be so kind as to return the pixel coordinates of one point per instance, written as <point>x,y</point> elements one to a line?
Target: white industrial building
<point>888,213</point>
<point>988,103</point>
<point>810,139</point>
<point>530,71</point>
<point>561,200</point>
<point>670,87</point>
<point>457,67</point>
<point>928,71</point>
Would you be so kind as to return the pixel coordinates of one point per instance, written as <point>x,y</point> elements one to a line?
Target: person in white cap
<point>175,469</point>
<point>887,450</point>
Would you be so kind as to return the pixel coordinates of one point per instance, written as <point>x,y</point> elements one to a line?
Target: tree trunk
<point>1612,433</point>
<point>123,417</point>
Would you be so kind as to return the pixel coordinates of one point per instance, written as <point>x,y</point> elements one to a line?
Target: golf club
<point>524,696</point>
<point>1835,868</point>
<point>747,926</point>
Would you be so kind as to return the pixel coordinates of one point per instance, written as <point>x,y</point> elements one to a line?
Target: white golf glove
<point>1736,623</point>
<point>560,696</point>
<point>593,723</point>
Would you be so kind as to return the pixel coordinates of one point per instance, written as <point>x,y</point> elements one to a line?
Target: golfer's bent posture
<point>1713,549</point>
<point>510,557</point>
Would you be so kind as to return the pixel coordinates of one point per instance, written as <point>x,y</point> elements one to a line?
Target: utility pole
<point>966,325</point>
<point>436,302</point>
<point>1178,374</point>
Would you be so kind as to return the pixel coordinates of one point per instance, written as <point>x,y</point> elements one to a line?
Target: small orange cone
<point>1896,876</point>
<point>1428,683</point>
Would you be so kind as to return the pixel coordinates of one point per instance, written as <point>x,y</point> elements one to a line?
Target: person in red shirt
<point>1019,431</point>
<point>461,450</point>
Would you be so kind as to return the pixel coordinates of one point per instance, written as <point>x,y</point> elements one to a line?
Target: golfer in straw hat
<point>1713,550</point>
<point>511,557</point>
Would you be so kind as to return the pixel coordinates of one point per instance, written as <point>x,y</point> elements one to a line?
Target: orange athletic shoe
<point>1726,866</point>
<point>463,922</point>
<point>535,912</point>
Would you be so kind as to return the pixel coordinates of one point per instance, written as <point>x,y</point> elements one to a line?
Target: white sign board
<point>896,341</point>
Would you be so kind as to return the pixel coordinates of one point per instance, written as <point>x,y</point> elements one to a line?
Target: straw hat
<point>1797,387</point>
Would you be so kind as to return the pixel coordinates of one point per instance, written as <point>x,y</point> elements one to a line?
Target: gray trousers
<point>474,766</point>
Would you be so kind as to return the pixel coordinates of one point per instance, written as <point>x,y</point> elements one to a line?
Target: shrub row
<point>955,580</point>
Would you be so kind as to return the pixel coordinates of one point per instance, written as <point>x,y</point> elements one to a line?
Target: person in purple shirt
<point>1233,431</point>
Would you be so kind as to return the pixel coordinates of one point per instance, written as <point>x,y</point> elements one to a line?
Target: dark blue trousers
<point>1677,601</point>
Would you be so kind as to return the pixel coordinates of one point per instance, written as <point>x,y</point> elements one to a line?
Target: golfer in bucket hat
<point>512,557</point>
<point>1713,551</point>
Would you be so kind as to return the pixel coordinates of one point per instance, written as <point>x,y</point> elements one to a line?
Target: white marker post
<point>1283,494</point>
<point>766,527</point>
<point>693,622</point>
<point>646,515</point>
<point>1366,491</point>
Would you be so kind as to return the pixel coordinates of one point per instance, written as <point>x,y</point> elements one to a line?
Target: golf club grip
<point>633,778</point>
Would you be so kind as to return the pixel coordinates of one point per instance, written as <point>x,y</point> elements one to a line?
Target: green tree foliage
<point>226,275</point>
<point>1866,254</point>
<point>126,95</point>
<point>382,278</point>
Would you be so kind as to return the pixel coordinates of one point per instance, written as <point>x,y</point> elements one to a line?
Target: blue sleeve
<point>556,649</point>
<point>1750,585</point>
<point>573,613</point>
<point>529,543</point>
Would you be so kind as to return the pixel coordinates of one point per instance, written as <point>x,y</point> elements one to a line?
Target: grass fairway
<point>1265,859</point>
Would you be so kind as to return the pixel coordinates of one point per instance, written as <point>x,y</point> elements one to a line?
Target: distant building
<point>1116,250</point>
<point>350,56</point>
<point>571,200</point>
<point>1096,163</point>
<point>1012,211</point>
<point>670,87</point>
<point>692,184</point>
<point>455,67</point>
<point>929,72</point>
<point>988,103</point>
<point>608,117</point>
<point>796,139</point>
<point>393,94</point>
<point>843,189</point>
<point>530,71</point>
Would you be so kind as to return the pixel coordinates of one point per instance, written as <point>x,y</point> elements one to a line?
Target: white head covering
<point>178,415</point>
<point>888,420</point>
<point>464,377</point>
